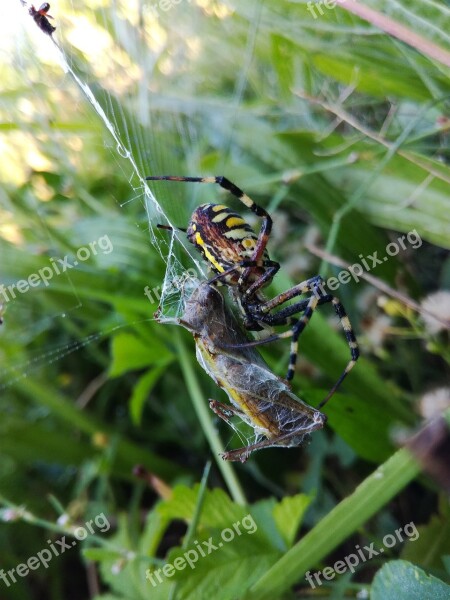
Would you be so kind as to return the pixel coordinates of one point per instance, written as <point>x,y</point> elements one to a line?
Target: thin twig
<point>350,120</point>
<point>375,281</point>
<point>398,31</point>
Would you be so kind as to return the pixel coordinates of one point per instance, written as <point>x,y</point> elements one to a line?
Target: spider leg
<point>315,285</point>
<point>352,344</point>
<point>296,330</point>
<point>282,317</point>
<point>271,266</point>
<point>285,316</point>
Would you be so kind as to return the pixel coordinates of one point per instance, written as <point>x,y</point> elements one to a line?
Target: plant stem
<point>204,417</point>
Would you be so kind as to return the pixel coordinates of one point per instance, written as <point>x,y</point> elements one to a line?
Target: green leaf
<point>227,571</point>
<point>247,539</point>
<point>288,515</point>
<point>124,577</point>
<point>242,553</point>
<point>100,554</point>
<point>263,514</point>
<point>446,561</point>
<point>401,580</point>
<point>141,391</point>
<point>363,426</point>
<point>130,353</point>
<point>218,509</point>
<point>372,81</point>
<point>433,543</point>
<point>153,533</point>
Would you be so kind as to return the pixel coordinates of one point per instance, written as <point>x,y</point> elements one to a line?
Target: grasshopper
<point>257,396</point>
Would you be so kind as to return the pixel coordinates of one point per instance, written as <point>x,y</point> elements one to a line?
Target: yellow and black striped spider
<point>240,260</point>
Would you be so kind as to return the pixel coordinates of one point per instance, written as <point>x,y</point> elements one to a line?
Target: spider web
<point>170,301</point>
<point>120,124</point>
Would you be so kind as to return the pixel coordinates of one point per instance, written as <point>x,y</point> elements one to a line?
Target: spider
<point>41,17</point>
<point>240,260</point>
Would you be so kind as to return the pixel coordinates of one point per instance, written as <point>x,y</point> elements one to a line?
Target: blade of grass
<point>192,528</point>
<point>373,493</point>
<point>360,192</point>
<point>204,417</point>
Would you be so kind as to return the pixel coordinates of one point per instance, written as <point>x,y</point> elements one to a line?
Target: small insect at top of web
<point>41,17</point>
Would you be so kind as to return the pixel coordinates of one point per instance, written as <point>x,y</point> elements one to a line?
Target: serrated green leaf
<point>229,569</point>
<point>288,515</point>
<point>263,514</point>
<point>218,509</point>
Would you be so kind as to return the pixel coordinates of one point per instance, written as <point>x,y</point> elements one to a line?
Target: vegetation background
<point>341,131</point>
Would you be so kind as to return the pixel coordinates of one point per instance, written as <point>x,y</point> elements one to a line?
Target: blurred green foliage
<point>341,131</point>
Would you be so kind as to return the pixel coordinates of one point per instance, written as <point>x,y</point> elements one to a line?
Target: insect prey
<point>41,17</point>
<point>257,396</point>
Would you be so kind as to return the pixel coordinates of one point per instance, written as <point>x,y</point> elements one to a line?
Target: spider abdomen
<point>224,239</point>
